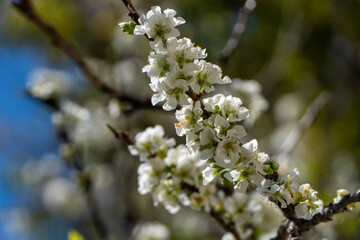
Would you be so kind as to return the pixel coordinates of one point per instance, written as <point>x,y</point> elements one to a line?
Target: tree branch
<point>306,121</point>
<point>237,33</point>
<point>196,97</point>
<point>26,8</point>
<point>122,135</point>
<point>133,14</point>
<point>326,215</point>
<point>297,227</point>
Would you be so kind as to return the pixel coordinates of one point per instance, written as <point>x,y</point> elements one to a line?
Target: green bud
<point>128,27</point>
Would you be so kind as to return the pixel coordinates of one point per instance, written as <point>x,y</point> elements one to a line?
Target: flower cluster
<point>216,139</point>
<point>173,176</point>
<point>47,84</point>
<point>176,68</point>
<point>179,75</point>
<point>170,174</point>
<point>286,190</point>
<point>175,65</point>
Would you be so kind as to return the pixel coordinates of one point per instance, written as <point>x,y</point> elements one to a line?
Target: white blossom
<point>190,118</point>
<point>228,236</point>
<point>283,189</point>
<point>158,66</point>
<point>151,231</point>
<point>244,175</point>
<point>225,129</point>
<point>207,75</point>
<point>172,96</point>
<point>232,110</point>
<point>209,174</point>
<point>47,83</point>
<point>158,25</point>
<point>182,53</point>
<point>147,178</point>
<point>309,203</point>
<point>227,153</point>
<point>149,142</point>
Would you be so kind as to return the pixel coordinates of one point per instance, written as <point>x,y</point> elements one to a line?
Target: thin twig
<point>95,217</point>
<point>133,14</point>
<point>195,97</point>
<point>305,122</point>
<point>122,135</point>
<point>87,187</point>
<point>237,33</point>
<point>25,7</point>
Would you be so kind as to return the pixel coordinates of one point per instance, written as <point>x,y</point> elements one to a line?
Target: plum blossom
<point>158,25</point>
<point>207,75</point>
<point>190,119</point>
<point>183,53</point>
<point>309,203</point>
<point>148,143</point>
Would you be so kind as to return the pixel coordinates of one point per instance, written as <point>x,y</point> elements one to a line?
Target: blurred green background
<point>296,50</point>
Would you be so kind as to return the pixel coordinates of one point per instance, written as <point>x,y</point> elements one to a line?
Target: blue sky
<point>25,126</point>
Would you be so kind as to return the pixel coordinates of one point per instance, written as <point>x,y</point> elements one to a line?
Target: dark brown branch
<point>133,14</point>
<point>196,97</point>
<point>122,135</point>
<point>25,7</point>
<point>326,215</point>
<point>237,33</point>
<point>306,121</point>
<point>282,233</point>
<point>297,227</point>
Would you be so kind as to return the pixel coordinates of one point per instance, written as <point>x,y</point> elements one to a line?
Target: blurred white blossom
<point>48,84</point>
<point>151,231</point>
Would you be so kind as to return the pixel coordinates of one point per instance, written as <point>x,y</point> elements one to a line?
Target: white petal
<point>156,98</point>
<point>139,30</point>
<point>170,12</point>
<point>226,80</point>
<point>208,175</point>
